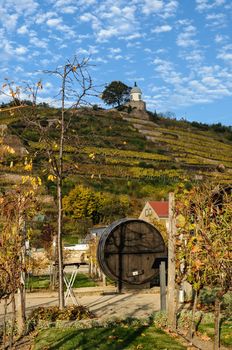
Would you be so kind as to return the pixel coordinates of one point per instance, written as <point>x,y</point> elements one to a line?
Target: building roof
<point>160,207</point>
<point>136,89</point>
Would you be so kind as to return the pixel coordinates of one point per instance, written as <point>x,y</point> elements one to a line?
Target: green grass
<point>118,338</point>
<point>42,282</point>
<point>226,331</point>
<point>69,239</point>
<point>37,282</point>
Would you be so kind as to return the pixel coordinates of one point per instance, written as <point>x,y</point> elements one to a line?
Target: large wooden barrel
<point>128,251</point>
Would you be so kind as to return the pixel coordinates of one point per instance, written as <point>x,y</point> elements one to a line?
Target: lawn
<point>226,331</point>
<point>42,282</point>
<point>118,338</point>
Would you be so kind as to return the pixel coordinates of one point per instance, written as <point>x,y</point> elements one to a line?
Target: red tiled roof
<point>161,208</point>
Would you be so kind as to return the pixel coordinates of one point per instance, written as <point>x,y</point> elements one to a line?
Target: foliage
<point>203,243</point>
<point>53,313</point>
<point>82,203</point>
<point>16,207</point>
<point>207,300</point>
<point>204,222</point>
<point>116,93</point>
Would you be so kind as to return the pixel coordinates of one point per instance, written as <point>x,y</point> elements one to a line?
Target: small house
<point>155,210</point>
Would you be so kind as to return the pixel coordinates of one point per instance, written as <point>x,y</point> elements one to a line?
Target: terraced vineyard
<point>196,152</point>
<point>121,154</point>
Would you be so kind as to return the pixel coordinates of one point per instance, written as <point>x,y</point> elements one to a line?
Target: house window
<point>148,212</point>
<point>139,96</point>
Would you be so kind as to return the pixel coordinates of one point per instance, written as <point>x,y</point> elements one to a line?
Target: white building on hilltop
<point>136,101</point>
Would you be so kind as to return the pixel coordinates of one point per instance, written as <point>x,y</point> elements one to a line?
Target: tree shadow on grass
<point>98,338</point>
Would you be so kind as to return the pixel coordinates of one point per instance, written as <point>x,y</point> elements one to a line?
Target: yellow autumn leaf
<point>51,177</point>
<point>180,220</point>
<point>8,149</point>
<point>28,167</point>
<point>92,155</point>
<point>39,181</point>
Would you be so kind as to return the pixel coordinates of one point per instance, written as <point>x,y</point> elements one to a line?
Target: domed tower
<point>136,93</point>
<point>136,101</point>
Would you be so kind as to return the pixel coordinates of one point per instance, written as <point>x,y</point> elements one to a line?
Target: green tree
<point>82,203</point>
<point>116,93</point>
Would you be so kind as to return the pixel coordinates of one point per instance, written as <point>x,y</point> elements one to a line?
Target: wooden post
<point>171,299</point>
<point>103,279</point>
<point>162,286</point>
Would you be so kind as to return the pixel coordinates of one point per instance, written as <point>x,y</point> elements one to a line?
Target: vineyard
<point>125,155</point>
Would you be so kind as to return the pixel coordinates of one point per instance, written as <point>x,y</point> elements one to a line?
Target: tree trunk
<point>60,247</point>
<point>13,321</point>
<point>21,312</point>
<point>217,324</point>
<point>60,197</point>
<point>4,323</point>
<point>192,325</point>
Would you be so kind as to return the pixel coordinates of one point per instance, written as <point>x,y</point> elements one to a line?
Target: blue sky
<point>178,51</point>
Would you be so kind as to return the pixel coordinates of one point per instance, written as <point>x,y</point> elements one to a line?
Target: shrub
<point>53,313</point>
<point>207,299</point>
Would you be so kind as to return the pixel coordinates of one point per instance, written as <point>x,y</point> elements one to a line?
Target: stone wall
<point>139,105</point>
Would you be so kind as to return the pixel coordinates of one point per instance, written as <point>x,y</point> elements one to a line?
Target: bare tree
<point>75,85</point>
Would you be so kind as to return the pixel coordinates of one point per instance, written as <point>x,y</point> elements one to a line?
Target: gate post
<point>171,300</point>
<point>162,286</point>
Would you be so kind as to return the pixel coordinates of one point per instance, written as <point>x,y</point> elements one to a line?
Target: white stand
<point>69,284</point>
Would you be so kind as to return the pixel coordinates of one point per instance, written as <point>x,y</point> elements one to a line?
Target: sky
<point>178,51</point>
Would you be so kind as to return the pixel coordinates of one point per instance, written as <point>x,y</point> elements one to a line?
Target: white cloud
<point>203,84</point>
<point>195,56</point>
<point>186,38</point>
<point>58,24</point>
<point>26,6</point>
<point>43,17</point>
<point>162,29</point>
<point>216,20</point>
<point>211,81</point>
<point>205,5</point>
<point>22,30</point>
<point>133,36</point>
<point>220,38</point>
<point>9,21</point>
<point>164,9</point>
<point>38,42</point>
<point>21,50</point>
<point>151,6</point>
<point>115,50</point>
<point>225,54</point>
<point>54,22</point>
